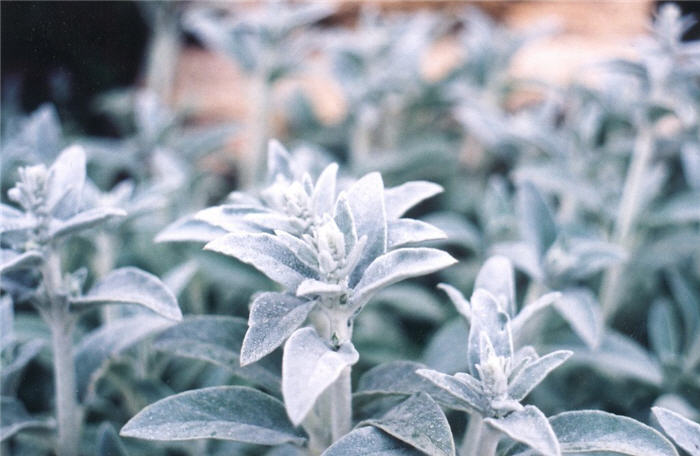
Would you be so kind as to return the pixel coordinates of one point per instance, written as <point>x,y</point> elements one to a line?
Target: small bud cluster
<point>31,191</point>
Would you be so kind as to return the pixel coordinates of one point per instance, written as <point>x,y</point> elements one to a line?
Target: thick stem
<point>60,321</point>
<point>472,436</point>
<point>630,206</point>
<point>341,405</point>
<point>489,442</point>
<point>67,412</point>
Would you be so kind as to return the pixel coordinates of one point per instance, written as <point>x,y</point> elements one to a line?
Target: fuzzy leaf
<point>534,372</point>
<point>403,197</point>
<point>537,224</point>
<point>309,366</point>
<point>458,300</point>
<point>267,254</point>
<point>11,260</point>
<point>311,287</point>
<point>582,312</point>
<point>398,265</point>
<point>14,418</point>
<point>532,309</point>
<point>230,217</point>
<point>370,441</point>
<point>664,331</point>
<point>467,392</point>
<point>366,200</point>
<point>278,161</point>
<point>684,432</point>
<point>216,339</point>
<point>273,318</point>
<point>66,181</point>
<point>109,340</point>
<point>497,277</point>
<point>188,229</point>
<point>222,412</point>
<point>323,196</point>
<point>418,421</point>
<point>530,427</point>
<point>346,222</point>
<point>132,286</point>
<point>524,257</point>
<point>447,350</point>
<point>85,220</point>
<point>489,319</point>
<point>593,432</point>
<point>409,231</point>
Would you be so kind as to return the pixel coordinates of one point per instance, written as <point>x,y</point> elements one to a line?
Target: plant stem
<point>67,412</point>
<point>341,406</point>
<point>361,140</point>
<point>630,206</point>
<point>59,319</point>
<point>470,443</point>
<point>163,49</point>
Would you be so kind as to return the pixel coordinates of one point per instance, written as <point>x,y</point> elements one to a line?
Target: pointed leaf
<point>582,312</point>
<point>684,432</point>
<point>468,395</point>
<point>309,366</point>
<point>418,421</point>
<point>370,441</point>
<point>532,309</point>
<point>460,302</point>
<point>85,220</point>
<point>323,196</point>
<point>497,277</point>
<point>593,431</point>
<point>11,260</point>
<point>398,265</point>
<point>216,339</point>
<point>402,198</point>
<point>230,217</point>
<point>530,427</point>
<point>316,287</point>
<point>489,319</point>
<point>537,224</point>
<point>278,161</point>
<point>664,331</point>
<point>267,254</point>
<point>234,413</point>
<point>447,350</point>
<point>366,200</point>
<point>66,181</point>
<point>273,318</point>
<point>409,231</point>
<point>132,286</point>
<point>534,372</point>
<point>188,229</point>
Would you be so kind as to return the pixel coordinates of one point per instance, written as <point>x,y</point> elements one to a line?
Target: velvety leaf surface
<point>132,286</point>
<point>533,373</point>
<point>65,182</point>
<point>530,427</point>
<point>267,254</point>
<point>221,412</point>
<point>188,229</point>
<point>447,350</point>
<point>273,318</point>
<point>466,392</point>
<point>489,319</point>
<point>582,312</point>
<point>216,339</point>
<point>370,441</point>
<point>401,198</point>
<point>323,196</point>
<point>11,260</point>
<point>398,265</point>
<point>418,421</point>
<point>684,432</point>
<point>591,431</point>
<point>85,220</point>
<point>309,366</point>
<point>409,231</point>
<point>498,277</point>
<point>366,200</point>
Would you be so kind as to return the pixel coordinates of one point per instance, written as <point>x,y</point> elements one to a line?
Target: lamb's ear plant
<point>51,210</point>
<point>501,374</point>
<point>331,251</point>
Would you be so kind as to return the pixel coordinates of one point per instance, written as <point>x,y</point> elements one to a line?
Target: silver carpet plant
<point>331,251</point>
<point>49,209</point>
